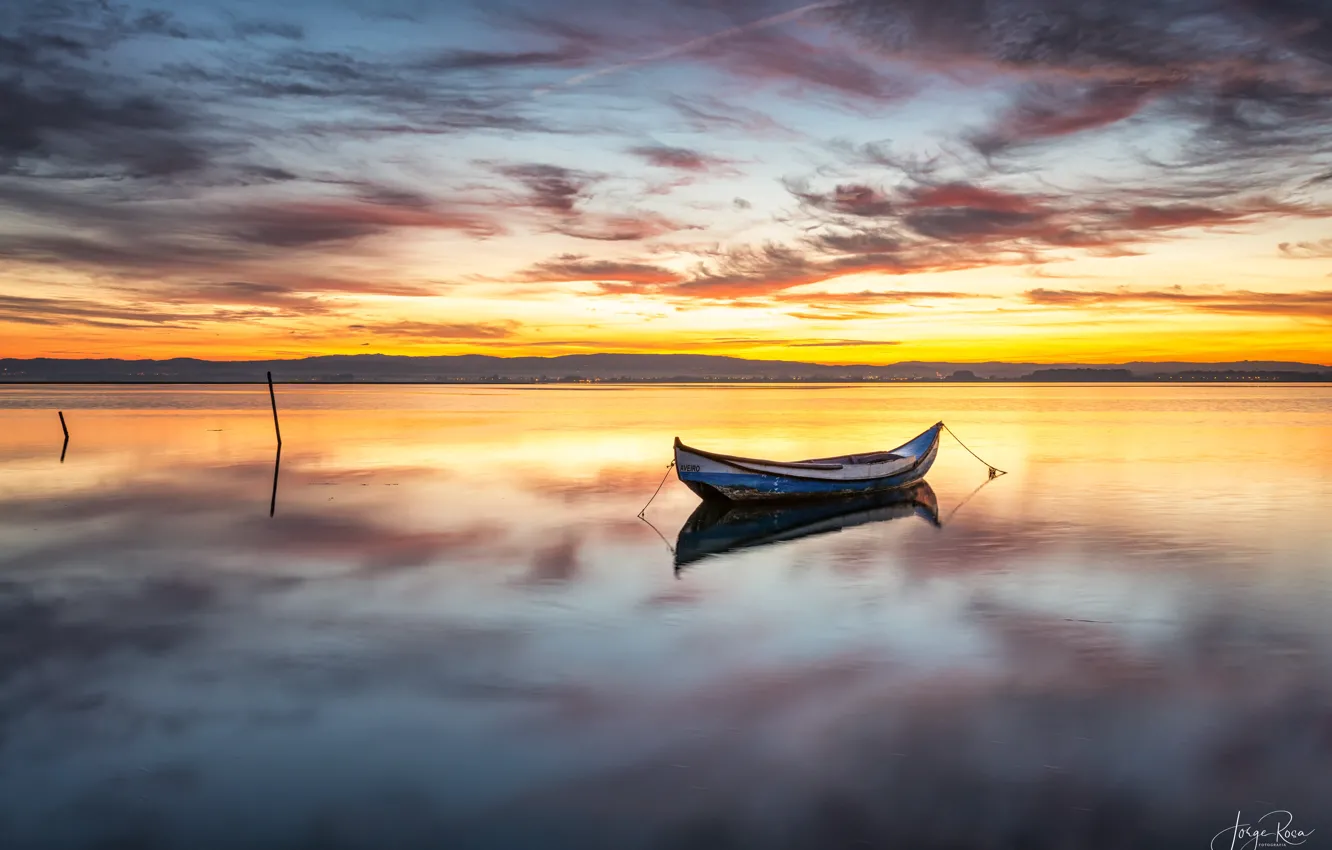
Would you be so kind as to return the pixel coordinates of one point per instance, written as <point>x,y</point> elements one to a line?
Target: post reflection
<point>277,465</point>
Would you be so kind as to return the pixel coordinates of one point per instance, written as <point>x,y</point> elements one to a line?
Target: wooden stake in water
<point>273,399</point>
<point>64,447</point>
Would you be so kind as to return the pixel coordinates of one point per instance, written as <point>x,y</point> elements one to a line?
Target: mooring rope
<point>669,467</point>
<point>659,534</point>
<point>986,483</point>
<point>994,470</point>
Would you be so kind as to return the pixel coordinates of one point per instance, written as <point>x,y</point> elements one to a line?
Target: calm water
<point>454,632</point>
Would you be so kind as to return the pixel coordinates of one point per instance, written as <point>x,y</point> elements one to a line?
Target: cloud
<point>559,197</point>
<point>629,227</point>
<point>578,267</point>
<point>777,56</point>
<point>304,223</point>
<point>950,213</point>
<point>481,60</point>
<point>551,187</point>
<point>291,294</point>
<point>683,159</point>
<point>817,314</point>
<point>726,37</point>
<point>435,331</point>
<point>17,309</point>
<point>269,29</point>
<point>59,126</point>
<point>711,114</point>
<point>1048,111</point>
<point>868,297</point>
<point>746,275</point>
<point>1321,250</point>
<point>1239,84</point>
<point>842,343</point>
<point>244,293</point>
<point>165,239</point>
<point>1315,304</point>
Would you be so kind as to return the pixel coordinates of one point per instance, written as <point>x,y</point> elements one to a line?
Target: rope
<point>669,467</point>
<point>994,470</point>
<point>659,534</point>
<point>987,482</point>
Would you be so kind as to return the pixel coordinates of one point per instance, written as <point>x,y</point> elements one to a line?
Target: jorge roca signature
<point>1271,830</point>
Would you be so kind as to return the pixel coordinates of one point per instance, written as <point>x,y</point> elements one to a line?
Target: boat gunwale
<point>737,461</point>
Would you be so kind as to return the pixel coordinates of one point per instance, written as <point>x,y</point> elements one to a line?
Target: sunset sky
<point>848,181</point>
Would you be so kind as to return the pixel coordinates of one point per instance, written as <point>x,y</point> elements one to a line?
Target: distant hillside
<point>472,368</point>
<point>1080,375</point>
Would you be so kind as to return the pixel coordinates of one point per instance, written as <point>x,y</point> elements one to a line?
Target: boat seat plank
<point>861,460</point>
<point>785,464</point>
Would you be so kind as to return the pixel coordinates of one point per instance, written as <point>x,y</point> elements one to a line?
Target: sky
<point>848,181</point>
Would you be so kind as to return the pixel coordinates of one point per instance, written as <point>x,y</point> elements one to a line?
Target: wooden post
<point>273,399</point>
<point>65,446</point>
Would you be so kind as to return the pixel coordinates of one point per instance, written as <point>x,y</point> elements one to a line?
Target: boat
<point>718,527</point>
<point>719,477</point>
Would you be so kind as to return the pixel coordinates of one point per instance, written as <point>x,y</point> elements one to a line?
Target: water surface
<point>454,632</point>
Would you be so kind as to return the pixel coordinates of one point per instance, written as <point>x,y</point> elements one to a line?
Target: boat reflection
<point>718,527</point>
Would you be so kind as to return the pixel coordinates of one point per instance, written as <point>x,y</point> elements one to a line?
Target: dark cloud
<point>577,267</point>
<point>551,187</point>
<point>302,223</point>
<point>71,106</point>
<point>480,60</point>
<point>169,239</point>
<point>270,29</point>
<point>74,311</point>
<point>159,22</point>
<point>277,296</point>
<point>558,196</point>
<point>1130,39</point>
<point>60,125</point>
<point>119,251</point>
<point>1245,85</point>
<point>1050,111</point>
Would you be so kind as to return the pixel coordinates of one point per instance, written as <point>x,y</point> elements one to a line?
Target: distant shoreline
<point>630,369</point>
<point>1306,379</point>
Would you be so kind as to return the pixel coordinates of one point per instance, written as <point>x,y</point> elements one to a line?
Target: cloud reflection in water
<point>429,654</point>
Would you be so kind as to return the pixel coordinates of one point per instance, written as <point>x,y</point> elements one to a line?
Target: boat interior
<point>860,459</point>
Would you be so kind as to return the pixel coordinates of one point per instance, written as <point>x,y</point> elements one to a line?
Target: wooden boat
<point>717,527</point>
<point>739,479</point>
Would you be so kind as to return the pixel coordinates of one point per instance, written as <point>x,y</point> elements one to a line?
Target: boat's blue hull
<point>714,476</point>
